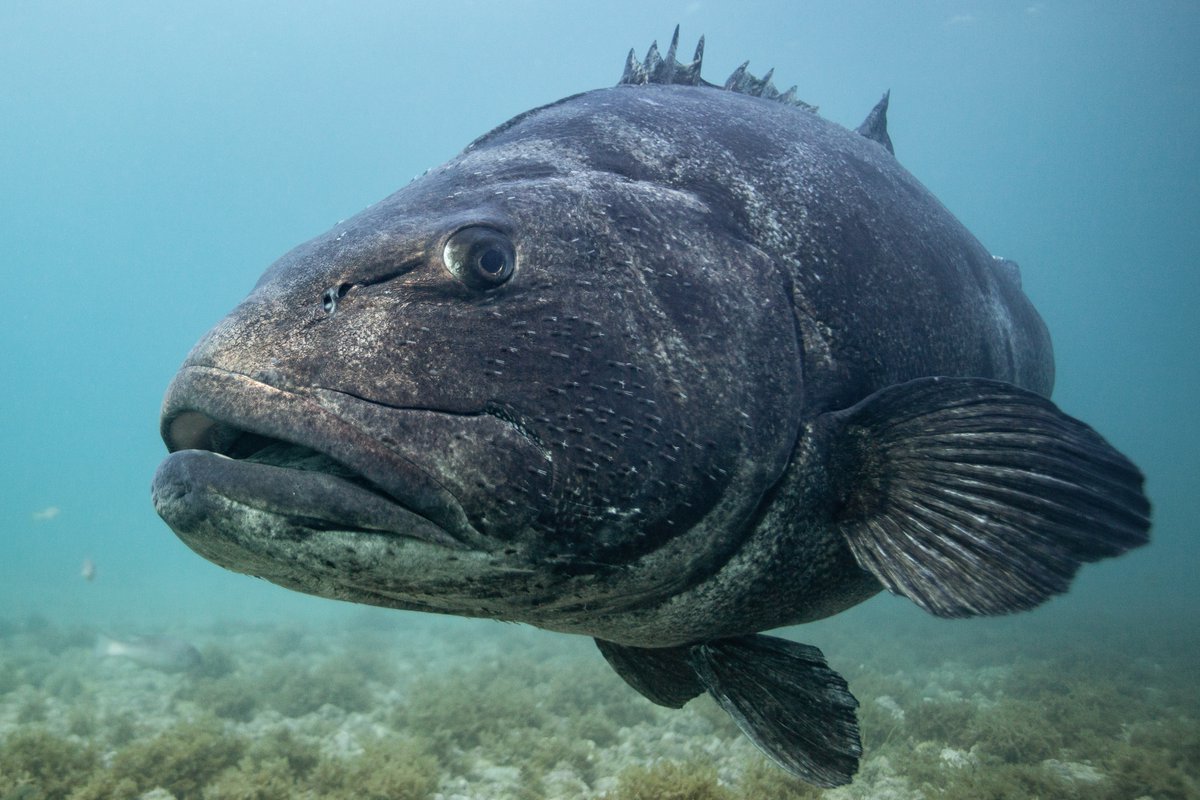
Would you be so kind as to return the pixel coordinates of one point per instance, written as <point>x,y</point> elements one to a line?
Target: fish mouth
<point>251,463</point>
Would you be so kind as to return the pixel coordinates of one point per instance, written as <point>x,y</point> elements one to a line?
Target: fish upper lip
<point>208,408</point>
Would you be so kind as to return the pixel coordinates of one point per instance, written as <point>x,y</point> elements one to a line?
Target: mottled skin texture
<point>619,441</point>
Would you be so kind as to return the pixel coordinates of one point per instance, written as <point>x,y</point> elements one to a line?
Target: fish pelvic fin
<point>972,496</point>
<point>787,700</point>
<point>782,695</point>
<point>662,675</point>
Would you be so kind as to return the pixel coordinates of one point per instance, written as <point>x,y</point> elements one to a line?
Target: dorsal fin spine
<point>874,127</point>
<point>656,69</point>
<point>634,74</point>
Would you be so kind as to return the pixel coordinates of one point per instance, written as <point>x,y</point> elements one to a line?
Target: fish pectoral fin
<point>662,675</point>
<point>787,700</point>
<point>972,496</point>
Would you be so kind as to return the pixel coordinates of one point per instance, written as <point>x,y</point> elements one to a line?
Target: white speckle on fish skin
<point>523,152</point>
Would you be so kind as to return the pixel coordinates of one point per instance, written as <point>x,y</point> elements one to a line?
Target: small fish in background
<point>164,653</point>
<point>88,570</point>
<point>46,514</point>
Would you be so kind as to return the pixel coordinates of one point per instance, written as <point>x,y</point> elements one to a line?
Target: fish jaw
<point>393,559</point>
<point>303,489</point>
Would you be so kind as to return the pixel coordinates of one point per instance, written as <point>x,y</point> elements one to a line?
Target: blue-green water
<point>155,157</point>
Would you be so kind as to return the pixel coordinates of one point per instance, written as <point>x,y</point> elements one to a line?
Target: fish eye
<point>481,257</point>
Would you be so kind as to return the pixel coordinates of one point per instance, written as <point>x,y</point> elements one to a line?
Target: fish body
<point>163,653</point>
<point>663,364</point>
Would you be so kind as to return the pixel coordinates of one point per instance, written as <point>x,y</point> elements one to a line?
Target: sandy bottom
<point>407,706</point>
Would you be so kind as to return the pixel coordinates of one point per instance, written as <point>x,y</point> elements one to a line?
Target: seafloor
<point>407,706</point>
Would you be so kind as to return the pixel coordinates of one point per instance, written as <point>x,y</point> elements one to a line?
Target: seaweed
<point>764,780</point>
<point>119,728</point>
<point>37,765</point>
<point>1014,731</point>
<point>552,721</point>
<point>281,766</point>
<point>280,642</point>
<point>230,697</point>
<point>1050,728</point>
<point>281,745</point>
<point>10,676</point>
<point>21,789</point>
<point>542,715</point>
<point>32,708</point>
<point>1160,759</point>
<point>254,780</point>
<point>82,721</point>
<point>182,760</point>
<point>669,780</point>
<point>292,690</point>
<point>295,693</point>
<point>390,768</point>
<point>215,662</point>
<point>467,708</point>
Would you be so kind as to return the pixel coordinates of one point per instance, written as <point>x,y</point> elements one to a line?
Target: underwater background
<point>155,157</point>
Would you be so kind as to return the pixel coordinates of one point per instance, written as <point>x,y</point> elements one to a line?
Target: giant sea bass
<point>666,364</point>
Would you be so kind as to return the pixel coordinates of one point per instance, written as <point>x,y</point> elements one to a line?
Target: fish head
<point>542,377</point>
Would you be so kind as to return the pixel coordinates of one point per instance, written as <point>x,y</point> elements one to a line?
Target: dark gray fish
<point>665,364</point>
<point>164,653</point>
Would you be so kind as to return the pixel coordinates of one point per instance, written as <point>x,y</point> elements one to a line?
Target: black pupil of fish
<point>492,261</point>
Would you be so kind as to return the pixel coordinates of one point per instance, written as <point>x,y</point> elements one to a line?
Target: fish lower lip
<point>203,402</point>
<point>191,486</point>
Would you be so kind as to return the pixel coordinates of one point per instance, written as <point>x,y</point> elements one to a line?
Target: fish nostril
<point>329,299</point>
<point>190,430</point>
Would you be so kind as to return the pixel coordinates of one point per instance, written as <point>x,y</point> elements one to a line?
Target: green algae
<point>1001,738</point>
<point>32,708</point>
<point>232,697</point>
<point>668,780</point>
<point>389,768</point>
<point>1045,724</point>
<point>532,715</point>
<point>296,692</point>
<point>697,780</point>
<point>200,760</point>
<point>182,759</point>
<point>215,662</point>
<point>763,780</point>
<point>291,689</point>
<point>38,765</point>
